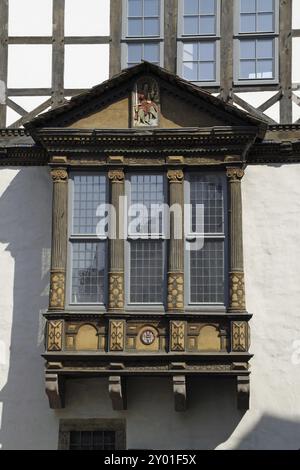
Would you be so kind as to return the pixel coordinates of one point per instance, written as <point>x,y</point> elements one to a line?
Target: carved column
<point>116,269</point>
<point>236,281</point>
<point>59,238</point>
<point>175,268</point>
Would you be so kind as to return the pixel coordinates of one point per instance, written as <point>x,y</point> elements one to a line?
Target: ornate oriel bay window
<point>165,295</point>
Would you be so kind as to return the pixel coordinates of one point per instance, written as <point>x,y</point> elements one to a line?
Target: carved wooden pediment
<point>141,97</point>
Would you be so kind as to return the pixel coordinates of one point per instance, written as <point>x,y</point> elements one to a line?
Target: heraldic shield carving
<point>146,103</point>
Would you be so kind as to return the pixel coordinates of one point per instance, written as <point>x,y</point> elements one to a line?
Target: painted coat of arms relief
<point>146,103</point>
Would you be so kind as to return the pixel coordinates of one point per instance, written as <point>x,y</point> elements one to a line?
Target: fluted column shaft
<point>175,259</point>
<point>237,287</point>
<point>59,238</point>
<point>116,245</point>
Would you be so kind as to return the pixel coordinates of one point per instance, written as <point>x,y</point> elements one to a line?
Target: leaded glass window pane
<point>88,272</point>
<point>207,273</point>
<point>207,259</point>
<point>89,193</point>
<point>146,271</point>
<point>207,190</point>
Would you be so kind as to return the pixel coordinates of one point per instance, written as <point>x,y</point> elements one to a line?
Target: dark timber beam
<point>58,52</point>
<point>3,60</point>
<point>39,109</point>
<point>116,34</point>
<point>227,15</point>
<point>285,61</point>
<point>67,40</point>
<point>239,101</point>
<point>170,34</point>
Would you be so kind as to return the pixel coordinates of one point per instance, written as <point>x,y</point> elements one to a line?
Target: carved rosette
<point>175,176</point>
<point>177,335</point>
<point>237,292</point>
<point>116,335</point>
<point>57,290</point>
<point>116,291</point>
<point>54,335</point>
<point>175,291</point>
<point>59,175</point>
<point>116,176</point>
<point>239,336</point>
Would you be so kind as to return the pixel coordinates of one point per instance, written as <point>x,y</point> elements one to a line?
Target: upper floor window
<point>205,246</point>
<point>143,18</point>
<point>199,38</point>
<point>257,16</point>
<point>256,41</point>
<point>199,17</point>
<point>142,37</point>
<point>87,251</point>
<point>146,246</point>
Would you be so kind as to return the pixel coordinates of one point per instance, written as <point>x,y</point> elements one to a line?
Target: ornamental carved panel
<point>116,335</point>
<point>239,336</point>
<point>237,292</point>
<point>54,335</point>
<point>177,335</point>
<point>116,291</point>
<point>146,103</point>
<point>57,290</point>
<point>175,291</point>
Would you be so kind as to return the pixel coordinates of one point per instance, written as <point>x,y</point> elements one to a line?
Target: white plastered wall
<point>271,201</point>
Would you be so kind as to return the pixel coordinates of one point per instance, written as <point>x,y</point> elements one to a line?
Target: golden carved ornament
<point>175,291</point>
<point>54,335</point>
<point>175,176</point>
<point>59,175</point>
<point>239,336</point>
<point>116,291</point>
<point>237,292</point>
<point>235,174</point>
<point>177,335</point>
<point>116,176</point>
<point>57,290</point>
<point>116,335</point>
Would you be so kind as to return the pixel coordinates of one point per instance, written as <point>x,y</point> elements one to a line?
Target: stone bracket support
<point>55,390</point>
<point>243,392</point>
<point>179,390</point>
<point>117,392</point>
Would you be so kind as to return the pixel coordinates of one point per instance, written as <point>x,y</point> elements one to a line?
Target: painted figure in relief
<point>146,103</point>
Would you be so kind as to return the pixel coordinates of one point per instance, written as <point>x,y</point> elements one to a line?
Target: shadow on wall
<point>25,226</point>
<point>272,433</point>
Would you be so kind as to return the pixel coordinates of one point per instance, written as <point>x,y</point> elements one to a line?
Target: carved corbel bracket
<point>179,390</point>
<point>243,392</point>
<point>55,390</point>
<point>117,392</point>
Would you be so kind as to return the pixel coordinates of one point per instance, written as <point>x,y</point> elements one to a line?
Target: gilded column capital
<point>116,176</point>
<point>235,174</point>
<point>175,176</point>
<point>59,175</point>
